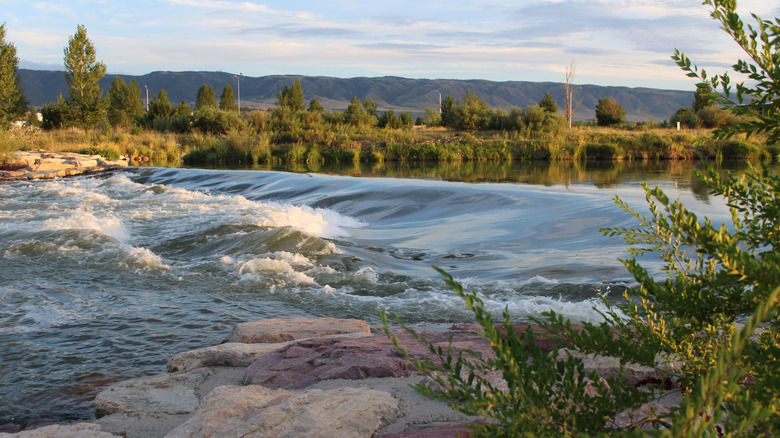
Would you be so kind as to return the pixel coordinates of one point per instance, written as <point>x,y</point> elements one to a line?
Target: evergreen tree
<point>82,73</point>
<point>548,104</point>
<point>370,106</point>
<point>182,109</point>
<point>160,106</point>
<point>609,112</point>
<point>315,106</point>
<point>291,98</point>
<point>124,102</point>
<point>207,97</point>
<point>448,111</point>
<point>227,101</point>
<point>703,97</point>
<point>355,114</point>
<point>406,120</point>
<point>13,103</point>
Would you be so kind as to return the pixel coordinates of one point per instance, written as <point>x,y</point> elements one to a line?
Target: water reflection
<point>602,174</point>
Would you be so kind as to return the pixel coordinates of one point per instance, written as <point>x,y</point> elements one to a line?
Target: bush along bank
<point>584,144</point>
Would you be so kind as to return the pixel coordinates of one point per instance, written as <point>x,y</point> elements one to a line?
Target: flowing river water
<point>105,278</point>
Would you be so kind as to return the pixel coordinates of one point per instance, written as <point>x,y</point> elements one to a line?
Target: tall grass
<point>315,139</point>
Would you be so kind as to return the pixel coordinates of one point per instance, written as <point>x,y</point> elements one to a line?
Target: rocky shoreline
<point>48,165</point>
<point>301,377</point>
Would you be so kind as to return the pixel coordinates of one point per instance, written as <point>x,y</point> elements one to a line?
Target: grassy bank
<point>346,144</point>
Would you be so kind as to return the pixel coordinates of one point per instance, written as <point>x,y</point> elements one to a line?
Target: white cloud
<point>625,42</point>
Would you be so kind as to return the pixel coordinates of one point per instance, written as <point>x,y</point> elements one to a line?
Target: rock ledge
<point>48,165</point>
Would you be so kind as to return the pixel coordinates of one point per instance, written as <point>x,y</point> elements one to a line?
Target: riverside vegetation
<point>217,133</point>
<point>685,324</point>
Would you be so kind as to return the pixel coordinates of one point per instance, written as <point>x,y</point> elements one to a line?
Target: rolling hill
<point>399,94</point>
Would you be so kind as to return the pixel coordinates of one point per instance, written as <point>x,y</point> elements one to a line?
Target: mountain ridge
<point>389,92</point>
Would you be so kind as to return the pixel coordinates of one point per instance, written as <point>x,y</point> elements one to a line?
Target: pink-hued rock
<point>306,362</point>
<point>290,329</point>
<point>452,431</point>
<point>232,411</point>
<point>231,354</point>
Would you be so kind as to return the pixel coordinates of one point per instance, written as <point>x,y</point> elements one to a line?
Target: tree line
<point>85,106</point>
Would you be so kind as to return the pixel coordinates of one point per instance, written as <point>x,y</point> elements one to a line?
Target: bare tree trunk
<point>570,106</point>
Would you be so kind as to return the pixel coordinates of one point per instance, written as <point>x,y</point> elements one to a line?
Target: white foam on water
<point>317,222</point>
<point>280,271</point>
<point>294,259</point>
<point>84,220</point>
<point>144,259</point>
<point>369,274</point>
<point>178,209</point>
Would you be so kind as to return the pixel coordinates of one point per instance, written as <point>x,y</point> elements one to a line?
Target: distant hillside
<point>399,94</point>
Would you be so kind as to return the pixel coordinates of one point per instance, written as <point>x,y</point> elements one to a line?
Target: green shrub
<point>215,121</point>
<point>603,151</point>
<point>740,149</point>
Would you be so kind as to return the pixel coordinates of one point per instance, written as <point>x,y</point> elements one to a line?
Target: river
<point>105,278</point>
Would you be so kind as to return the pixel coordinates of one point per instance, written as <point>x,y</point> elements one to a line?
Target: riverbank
<point>301,377</point>
<point>315,146</point>
<point>28,165</point>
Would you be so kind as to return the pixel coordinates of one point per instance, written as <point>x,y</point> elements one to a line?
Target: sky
<point>610,42</point>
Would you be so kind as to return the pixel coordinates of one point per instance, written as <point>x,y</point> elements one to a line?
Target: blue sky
<point>612,42</point>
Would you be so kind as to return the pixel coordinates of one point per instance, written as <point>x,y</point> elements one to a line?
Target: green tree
<point>291,98</point>
<point>13,103</point>
<point>207,97</point>
<point>759,100</point>
<point>124,102</point>
<point>370,106</point>
<point>183,109</point>
<point>548,103</point>
<point>470,112</point>
<point>315,106</point>
<point>406,120</point>
<point>687,117</point>
<point>160,106</point>
<point>609,112</point>
<point>448,111</point>
<point>703,97</point>
<point>356,114</point>
<point>388,120</point>
<point>82,73</point>
<point>227,101</point>
<point>432,117</point>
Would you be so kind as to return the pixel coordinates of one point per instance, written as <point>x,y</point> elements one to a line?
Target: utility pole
<point>437,91</point>
<point>147,97</point>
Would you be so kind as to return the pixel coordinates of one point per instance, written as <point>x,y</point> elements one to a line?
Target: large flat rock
<point>48,165</point>
<point>233,411</point>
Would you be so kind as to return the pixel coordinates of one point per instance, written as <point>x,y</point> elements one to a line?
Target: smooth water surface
<point>106,278</point>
